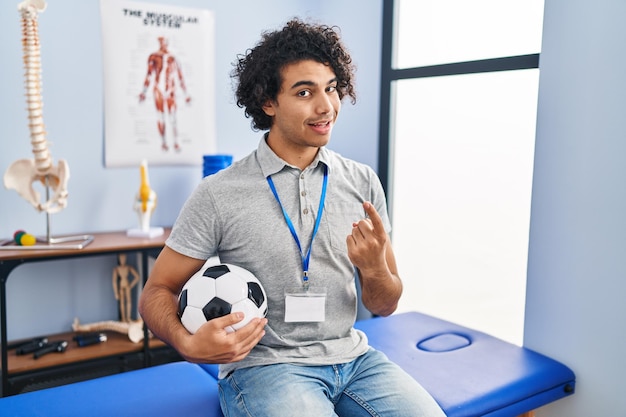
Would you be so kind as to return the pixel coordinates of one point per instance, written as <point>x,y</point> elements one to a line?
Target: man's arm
<point>158,307</point>
<point>370,251</point>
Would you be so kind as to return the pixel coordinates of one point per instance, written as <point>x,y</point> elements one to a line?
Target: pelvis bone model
<point>24,173</point>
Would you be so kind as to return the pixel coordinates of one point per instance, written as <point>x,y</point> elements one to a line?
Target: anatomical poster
<point>159,102</point>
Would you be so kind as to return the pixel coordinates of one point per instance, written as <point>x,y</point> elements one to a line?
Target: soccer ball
<point>220,290</point>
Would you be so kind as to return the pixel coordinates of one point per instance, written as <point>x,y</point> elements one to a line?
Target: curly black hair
<point>257,73</point>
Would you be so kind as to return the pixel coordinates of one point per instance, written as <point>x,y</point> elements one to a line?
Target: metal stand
<point>49,242</point>
<point>60,242</point>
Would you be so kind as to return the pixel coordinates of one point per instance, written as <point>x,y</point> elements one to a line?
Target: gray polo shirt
<point>234,214</point>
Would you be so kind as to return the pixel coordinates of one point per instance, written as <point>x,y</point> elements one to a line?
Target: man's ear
<point>268,108</point>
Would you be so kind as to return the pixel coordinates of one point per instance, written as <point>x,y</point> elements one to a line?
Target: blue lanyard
<point>305,258</point>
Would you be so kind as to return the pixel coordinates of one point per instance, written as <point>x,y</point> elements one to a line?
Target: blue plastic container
<point>214,163</point>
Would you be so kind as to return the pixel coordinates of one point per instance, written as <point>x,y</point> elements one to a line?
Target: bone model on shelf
<point>146,199</point>
<point>134,329</point>
<point>23,173</point>
<point>144,205</point>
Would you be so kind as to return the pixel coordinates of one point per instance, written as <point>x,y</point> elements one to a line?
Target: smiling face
<point>304,112</point>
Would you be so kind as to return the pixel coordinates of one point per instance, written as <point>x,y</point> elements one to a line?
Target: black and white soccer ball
<point>220,290</point>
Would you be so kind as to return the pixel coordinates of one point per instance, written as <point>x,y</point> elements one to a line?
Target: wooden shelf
<point>103,243</point>
<point>118,348</point>
<point>116,344</point>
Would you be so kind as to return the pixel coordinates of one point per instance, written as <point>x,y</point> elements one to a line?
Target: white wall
<point>45,297</point>
<point>575,307</point>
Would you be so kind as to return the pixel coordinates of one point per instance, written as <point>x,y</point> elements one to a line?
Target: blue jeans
<point>369,386</point>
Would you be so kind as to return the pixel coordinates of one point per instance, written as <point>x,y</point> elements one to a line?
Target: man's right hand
<point>213,344</point>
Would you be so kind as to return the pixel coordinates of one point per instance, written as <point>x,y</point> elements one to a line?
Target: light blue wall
<point>45,297</point>
<point>575,308</point>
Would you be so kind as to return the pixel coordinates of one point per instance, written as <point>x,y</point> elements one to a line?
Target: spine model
<point>23,173</point>
<point>34,100</point>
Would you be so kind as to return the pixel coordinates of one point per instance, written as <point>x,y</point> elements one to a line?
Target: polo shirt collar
<point>271,163</point>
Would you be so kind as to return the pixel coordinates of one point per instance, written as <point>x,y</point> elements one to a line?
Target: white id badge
<point>301,306</point>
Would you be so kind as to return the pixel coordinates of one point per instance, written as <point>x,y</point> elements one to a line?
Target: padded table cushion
<point>173,389</point>
<point>468,372</point>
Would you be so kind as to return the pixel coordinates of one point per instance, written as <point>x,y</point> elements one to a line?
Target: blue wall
<point>45,297</point>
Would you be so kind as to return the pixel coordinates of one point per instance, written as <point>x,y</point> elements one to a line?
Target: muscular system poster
<point>159,102</point>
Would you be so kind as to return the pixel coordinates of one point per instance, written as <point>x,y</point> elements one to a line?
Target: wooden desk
<point>102,244</point>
